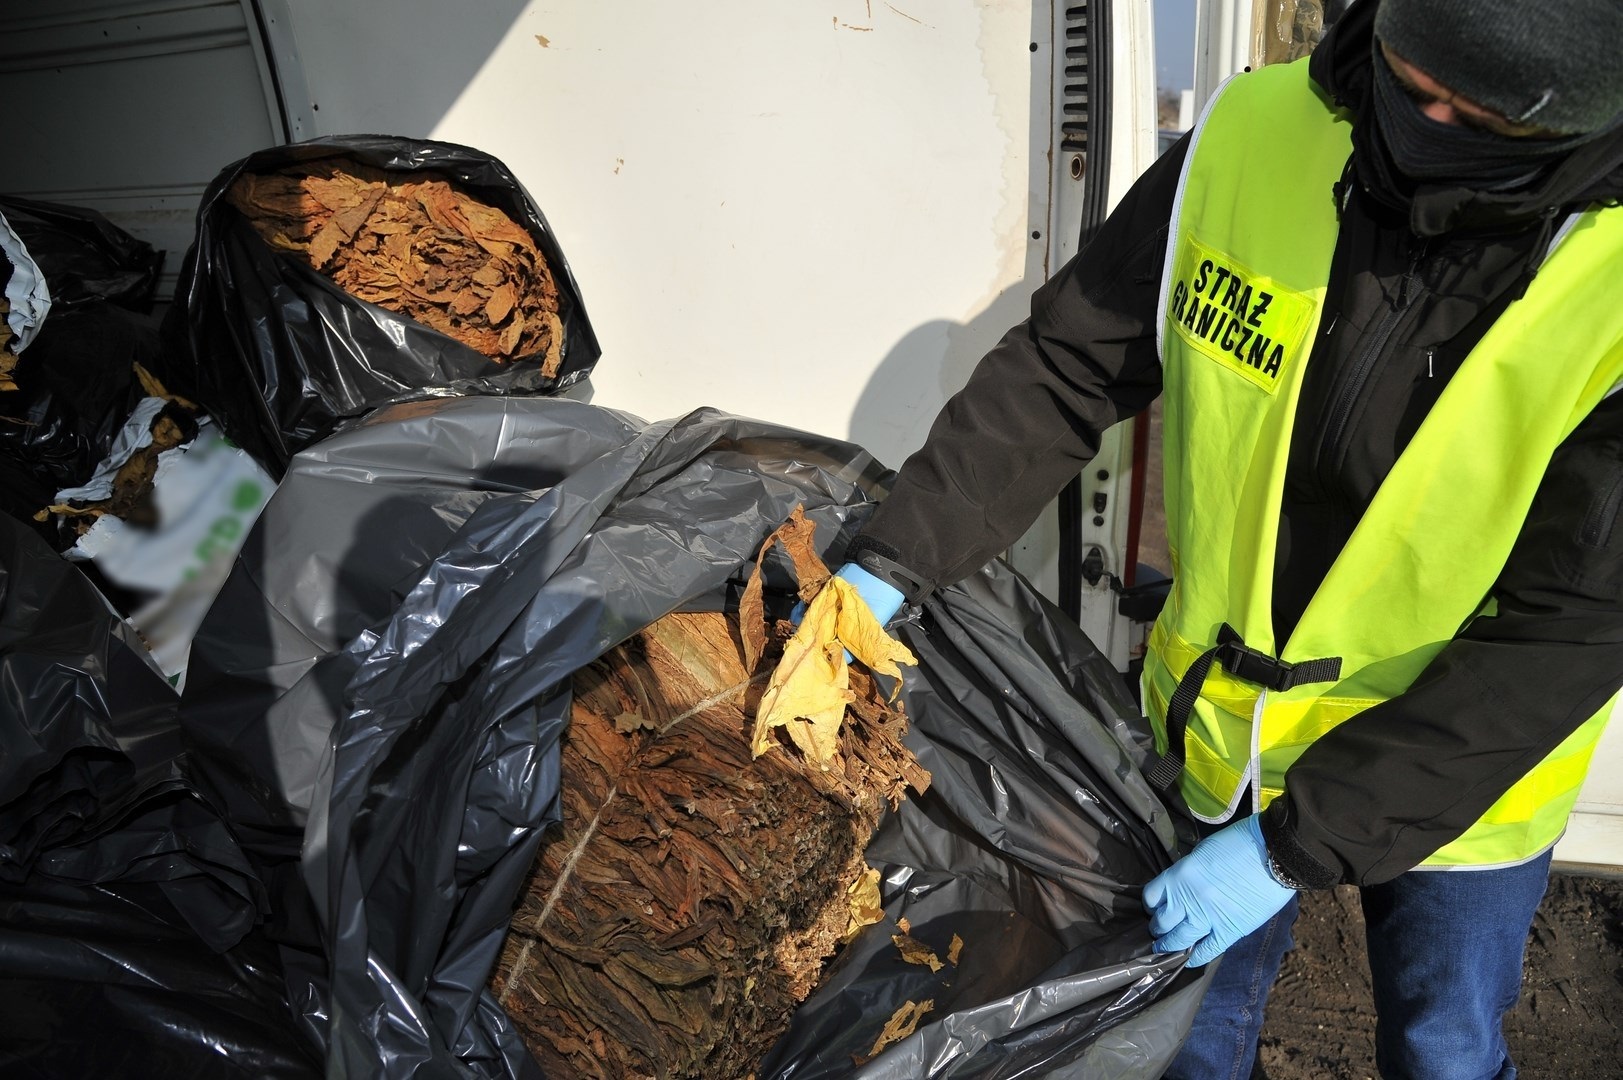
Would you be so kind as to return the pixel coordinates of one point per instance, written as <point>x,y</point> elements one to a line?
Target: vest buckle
<point>1269,672</point>
<point>1244,662</point>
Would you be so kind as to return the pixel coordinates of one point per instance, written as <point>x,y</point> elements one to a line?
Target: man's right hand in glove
<point>882,599</point>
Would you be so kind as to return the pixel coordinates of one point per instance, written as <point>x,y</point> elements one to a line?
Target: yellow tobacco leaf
<point>861,633</point>
<point>955,950</point>
<point>901,1024</point>
<point>810,687</point>
<point>153,388</point>
<point>915,951</point>
<point>863,897</point>
<point>69,511</point>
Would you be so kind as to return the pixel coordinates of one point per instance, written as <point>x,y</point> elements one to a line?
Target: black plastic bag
<point>382,684</point>
<point>279,354</point>
<point>85,258</point>
<point>127,909</point>
<point>75,381</point>
<point>76,385</point>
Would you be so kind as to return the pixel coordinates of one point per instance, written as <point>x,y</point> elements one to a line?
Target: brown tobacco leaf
<point>500,304</point>
<point>752,618</point>
<point>955,950</point>
<point>903,925</point>
<point>8,359</point>
<point>902,1023</point>
<point>798,537</point>
<point>413,243</point>
<point>915,951</point>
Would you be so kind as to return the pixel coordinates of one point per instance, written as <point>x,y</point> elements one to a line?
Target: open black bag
<point>378,695</point>
<point>75,381</point>
<point>279,355</point>
<point>85,258</point>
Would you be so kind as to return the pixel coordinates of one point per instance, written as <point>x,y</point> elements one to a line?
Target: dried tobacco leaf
<point>866,906</point>
<point>8,359</point>
<point>752,633</point>
<point>799,538</point>
<point>153,388</point>
<point>915,951</point>
<point>415,244</point>
<point>810,688</point>
<point>861,633</point>
<point>902,1023</point>
<point>955,950</point>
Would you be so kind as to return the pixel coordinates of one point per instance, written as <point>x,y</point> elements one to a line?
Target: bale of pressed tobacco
<point>417,245</point>
<point>692,893</point>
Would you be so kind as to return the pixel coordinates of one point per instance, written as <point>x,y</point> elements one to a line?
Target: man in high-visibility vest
<point>1375,290</point>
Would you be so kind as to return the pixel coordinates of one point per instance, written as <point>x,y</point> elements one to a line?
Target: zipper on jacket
<point>1371,351</point>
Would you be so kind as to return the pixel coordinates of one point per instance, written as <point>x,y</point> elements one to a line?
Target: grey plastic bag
<point>383,682</point>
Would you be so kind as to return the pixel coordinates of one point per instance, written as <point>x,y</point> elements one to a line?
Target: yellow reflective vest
<point>1249,254</point>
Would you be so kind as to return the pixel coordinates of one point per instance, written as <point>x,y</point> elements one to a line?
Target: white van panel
<point>820,216</point>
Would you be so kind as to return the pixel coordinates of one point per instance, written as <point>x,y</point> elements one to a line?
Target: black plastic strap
<point>912,587</point>
<point>1243,662</point>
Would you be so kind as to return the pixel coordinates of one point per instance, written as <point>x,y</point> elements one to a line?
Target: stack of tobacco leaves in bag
<point>415,244</point>
<point>131,499</point>
<point>8,359</point>
<point>703,872</point>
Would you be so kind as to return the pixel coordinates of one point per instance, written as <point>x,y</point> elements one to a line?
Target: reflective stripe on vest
<point>1248,261</point>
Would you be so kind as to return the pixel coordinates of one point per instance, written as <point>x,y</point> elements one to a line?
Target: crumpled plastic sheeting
<point>279,355</point>
<point>28,295</point>
<point>385,678</point>
<point>126,906</point>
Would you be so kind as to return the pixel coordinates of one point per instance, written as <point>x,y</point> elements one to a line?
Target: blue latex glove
<point>882,599</point>
<point>1215,895</point>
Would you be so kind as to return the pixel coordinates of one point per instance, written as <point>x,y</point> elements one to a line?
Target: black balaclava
<point>1431,152</point>
<point>1512,57</point>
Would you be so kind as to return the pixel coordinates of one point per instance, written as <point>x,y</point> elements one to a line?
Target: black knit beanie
<point>1552,63</point>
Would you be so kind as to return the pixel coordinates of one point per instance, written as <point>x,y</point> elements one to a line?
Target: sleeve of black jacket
<point>1383,791</point>
<point>1032,412</point>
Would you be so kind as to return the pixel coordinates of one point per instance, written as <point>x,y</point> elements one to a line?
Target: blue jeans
<point>1445,952</point>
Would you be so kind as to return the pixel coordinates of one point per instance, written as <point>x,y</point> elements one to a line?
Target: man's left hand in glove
<point>1216,895</point>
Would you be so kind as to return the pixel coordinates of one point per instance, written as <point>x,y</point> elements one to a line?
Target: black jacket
<point>1381,792</point>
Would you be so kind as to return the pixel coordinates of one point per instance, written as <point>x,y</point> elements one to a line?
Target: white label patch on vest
<point>1245,321</point>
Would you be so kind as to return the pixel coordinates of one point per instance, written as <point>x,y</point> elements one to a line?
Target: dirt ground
<point>1320,1024</point>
